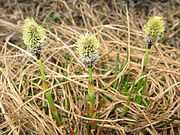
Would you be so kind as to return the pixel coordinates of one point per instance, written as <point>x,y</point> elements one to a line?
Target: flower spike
<point>33,35</point>
<point>88,47</point>
<point>153,30</point>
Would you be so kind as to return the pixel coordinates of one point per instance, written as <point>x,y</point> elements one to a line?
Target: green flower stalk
<point>88,47</point>
<point>153,30</point>
<point>34,36</point>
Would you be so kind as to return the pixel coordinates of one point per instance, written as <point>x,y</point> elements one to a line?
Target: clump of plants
<point>34,37</point>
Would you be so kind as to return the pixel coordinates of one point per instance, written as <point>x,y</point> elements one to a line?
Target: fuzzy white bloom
<point>88,47</point>
<point>154,29</point>
<point>33,35</point>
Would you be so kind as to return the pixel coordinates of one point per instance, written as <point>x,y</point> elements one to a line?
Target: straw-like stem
<point>146,58</point>
<point>140,92</point>
<point>91,111</point>
<point>91,87</point>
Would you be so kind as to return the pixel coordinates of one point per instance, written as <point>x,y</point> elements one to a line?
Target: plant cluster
<point>34,36</point>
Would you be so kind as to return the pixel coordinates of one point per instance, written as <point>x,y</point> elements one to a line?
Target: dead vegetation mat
<point>118,26</point>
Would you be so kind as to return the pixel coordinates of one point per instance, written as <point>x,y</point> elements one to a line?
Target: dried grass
<point>20,89</point>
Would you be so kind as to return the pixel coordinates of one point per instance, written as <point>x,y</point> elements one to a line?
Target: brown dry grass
<point>117,29</point>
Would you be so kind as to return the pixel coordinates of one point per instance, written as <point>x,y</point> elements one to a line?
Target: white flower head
<point>33,35</point>
<point>154,29</point>
<point>88,46</point>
